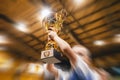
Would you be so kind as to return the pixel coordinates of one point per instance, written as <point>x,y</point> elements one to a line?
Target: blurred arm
<point>51,68</point>
<point>64,46</point>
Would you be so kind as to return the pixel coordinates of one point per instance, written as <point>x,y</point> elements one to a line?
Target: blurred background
<point>92,23</point>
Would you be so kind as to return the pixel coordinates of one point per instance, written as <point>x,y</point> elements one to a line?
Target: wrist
<point>56,37</point>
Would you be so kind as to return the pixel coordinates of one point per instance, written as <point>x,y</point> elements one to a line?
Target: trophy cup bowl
<point>52,54</point>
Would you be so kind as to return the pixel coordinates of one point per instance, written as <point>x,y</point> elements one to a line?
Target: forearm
<point>65,48</point>
<point>61,43</point>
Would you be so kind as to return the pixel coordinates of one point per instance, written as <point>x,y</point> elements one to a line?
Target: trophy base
<point>51,56</point>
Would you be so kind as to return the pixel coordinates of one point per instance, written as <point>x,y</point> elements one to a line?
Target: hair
<point>86,54</point>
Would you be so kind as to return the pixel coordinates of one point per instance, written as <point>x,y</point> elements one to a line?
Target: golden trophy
<point>52,54</point>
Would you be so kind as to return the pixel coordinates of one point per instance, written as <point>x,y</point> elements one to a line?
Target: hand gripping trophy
<point>52,54</point>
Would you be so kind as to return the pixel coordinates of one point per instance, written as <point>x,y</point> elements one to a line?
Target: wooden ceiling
<point>86,23</point>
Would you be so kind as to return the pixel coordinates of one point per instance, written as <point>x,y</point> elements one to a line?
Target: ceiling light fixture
<point>99,42</point>
<point>21,27</point>
<point>78,2</point>
<point>117,38</point>
<point>117,35</point>
<point>45,12</point>
<point>6,62</point>
<point>2,48</point>
<point>3,39</point>
<point>35,68</point>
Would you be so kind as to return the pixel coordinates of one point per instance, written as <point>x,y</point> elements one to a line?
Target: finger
<point>51,28</point>
<point>49,38</point>
<point>49,31</point>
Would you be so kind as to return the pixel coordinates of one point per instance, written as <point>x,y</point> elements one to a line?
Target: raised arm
<point>64,46</point>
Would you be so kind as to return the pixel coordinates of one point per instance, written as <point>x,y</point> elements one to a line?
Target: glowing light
<point>6,62</point>
<point>21,27</point>
<point>78,2</point>
<point>117,35</point>
<point>6,65</point>
<point>3,39</point>
<point>35,68</point>
<point>45,12</point>
<point>99,42</point>
<point>117,38</point>
<point>2,48</point>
